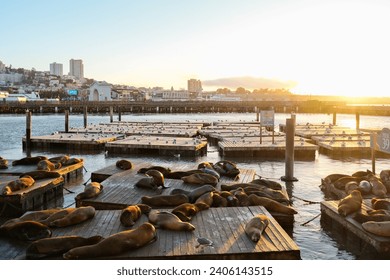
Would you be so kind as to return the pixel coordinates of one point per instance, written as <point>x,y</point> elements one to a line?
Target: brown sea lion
<point>218,200</point>
<point>365,187</point>
<point>162,169</point>
<point>124,164</point>
<point>341,182</point>
<point>165,200</point>
<point>186,211</point>
<point>37,216</point>
<point>18,184</point>
<point>25,230</point>
<point>116,244</point>
<point>380,203</point>
<point>196,193</point>
<point>200,179</point>
<point>211,172</point>
<point>179,174</point>
<point>147,183</point>
<point>55,246</point>
<point>76,216</point>
<point>169,221</point>
<point>362,218</point>
<point>60,159</point>
<point>47,165</point>
<point>361,174</point>
<point>226,168</point>
<point>351,186</point>
<point>271,205</point>
<point>378,188</point>
<point>3,163</point>
<point>242,197</point>
<point>177,191</point>
<point>270,193</point>
<point>132,213</point>
<point>29,160</point>
<point>332,178</point>
<point>268,183</point>
<point>206,198</point>
<point>384,175</point>
<point>157,176</point>
<point>72,161</point>
<point>255,227</point>
<point>350,204</point>
<point>377,228</point>
<point>205,164</point>
<point>92,189</point>
<point>41,174</point>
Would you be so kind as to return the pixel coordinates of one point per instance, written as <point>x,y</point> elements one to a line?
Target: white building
<point>194,86</point>
<point>170,95</point>
<point>2,66</point>
<point>56,69</point>
<point>100,91</point>
<point>76,68</point>
<point>11,78</point>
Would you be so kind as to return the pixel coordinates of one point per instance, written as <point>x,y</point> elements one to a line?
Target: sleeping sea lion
<point>165,200</point>
<point>341,182</point>
<point>218,200</point>
<point>19,184</point>
<point>186,211</point>
<point>76,216</point>
<point>169,221</point>
<point>256,226</point>
<point>25,230</point>
<point>193,195</point>
<point>162,169</point>
<point>271,205</point>
<point>157,176</point>
<point>41,174</point>
<point>206,198</point>
<point>227,168</point>
<point>377,228</point>
<point>351,203</point>
<point>132,213</point>
<point>378,188</point>
<point>177,191</point>
<point>200,179</point>
<point>116,244</point>
<point>47,165</point>
<point>29,160</point>
<point>268,183</point>
<point>60,159</point>
<point>179,174</point>
<point>205,164</point>
<point>55,246</point>
<point>72,161</point>
<point>3,163</point>
<point>380,203</point>
<point>365,187</point>
<point>362,218</point>
<point>242,197</point>
<point>211,172</point>
<point>92,189</point>
<point>351,186</point>
<point>384,175</point>
<point>147,183</point>
<point>124,164</point>
<point>330,179</point>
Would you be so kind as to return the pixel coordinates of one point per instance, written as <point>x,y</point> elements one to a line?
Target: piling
<point>257,114</point>
<point>111,114</point>
<point>66,121</point>
<point>334,118</point>
<point>28,133</point>
<point>119,114</point>
<point>289,159</point>
<point>85,116</point>
<point>357,121</point>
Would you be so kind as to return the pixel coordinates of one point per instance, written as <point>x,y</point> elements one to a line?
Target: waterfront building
<point>101,91</point>
<point>2,66</point>
<point>194,86</point>
<point>76,68</point>
<point>56,69</point>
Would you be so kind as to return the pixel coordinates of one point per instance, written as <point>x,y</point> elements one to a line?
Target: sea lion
<point>341,182</point>
<point>351,203</point>
<point>271,205</point>
<point>180,174</point>
<point>76,216</point>
<point>25,230</point>
<point>29,160</point>
<point>132,213</point>
<point>59,159</point>
<point>186,211</point>
<point>211,172</point>
<point>37,216</point>
<point>226,168</point>
<point>196,193</point>
<point>162,169</point>
<point>362,218</point>
<point>92,189</point>
<point>206,198</point>
<point>177,191</point>
<point>242,197</point>
<point>384,175</point>
<point>379,203</point>
<point>124,164</point>
<point>72,161</point>
<point>231,199</point>
<point>55,246</point>
<point>268,183</point>
<point>47,165</point>
<point>205,164</point>
<point>157,176</point>
<point>41,174</point>
<point>351,186</point>
<point>116,244</point>
<point>200,179</point>
<point>378,188</point>
<point>256,226</point>
<point>365,187</point>
<point>3,163</point>
<point>165,200</point>
<point>361,173</point>
<point>18,184</point>
<point>147,183</point>
<point>377,228</point>
<point>169,221</point>
<point>332,178</point>
<point>219,201</point>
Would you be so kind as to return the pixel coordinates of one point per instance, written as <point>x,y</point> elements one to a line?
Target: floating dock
<point>351,231</point>
<point>165,146</point>
<point>224,227</point>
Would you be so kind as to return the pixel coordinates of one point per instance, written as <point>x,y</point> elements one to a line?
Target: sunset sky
<point>312,47</point>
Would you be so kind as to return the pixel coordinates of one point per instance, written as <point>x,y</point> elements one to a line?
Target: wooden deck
<point>43,194</point>
<point>277,150</point>
<point>349,228</point>
<point>225,227</point>
<point>158,145</point>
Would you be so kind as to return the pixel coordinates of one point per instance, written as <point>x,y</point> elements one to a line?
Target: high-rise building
<point>76,68</point>
<point>2,66</point>
<point>194,86</point>
<point>56,69</point>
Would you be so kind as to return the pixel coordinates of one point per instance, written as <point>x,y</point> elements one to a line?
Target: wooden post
<point>28,133</point>
<point>373,140</point>
<point>261,135</point>
<point>85,116</point>
<point>334,118</point>
<point>257,114</point>
<point>357,121</point>
<point>111,114</point>
<point>119,114</point>
<point>289,159</point>
<point>66,121</point>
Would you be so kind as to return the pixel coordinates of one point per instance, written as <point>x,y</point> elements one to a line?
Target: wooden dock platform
<point>45,193</point>
<point>351,231</point>
<point>143,144</point>
<point>224,227</point>
<point>277,150</point>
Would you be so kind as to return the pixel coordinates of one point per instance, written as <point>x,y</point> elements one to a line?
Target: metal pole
<point>28,133</point>
<point>85,116</point>
<point>66,121</point>
<point>289,160</point>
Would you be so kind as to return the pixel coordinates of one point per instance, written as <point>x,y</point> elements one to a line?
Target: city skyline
<point>309,47</point>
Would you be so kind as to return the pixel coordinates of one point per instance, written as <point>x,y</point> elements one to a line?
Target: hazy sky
<point>319,47</point>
